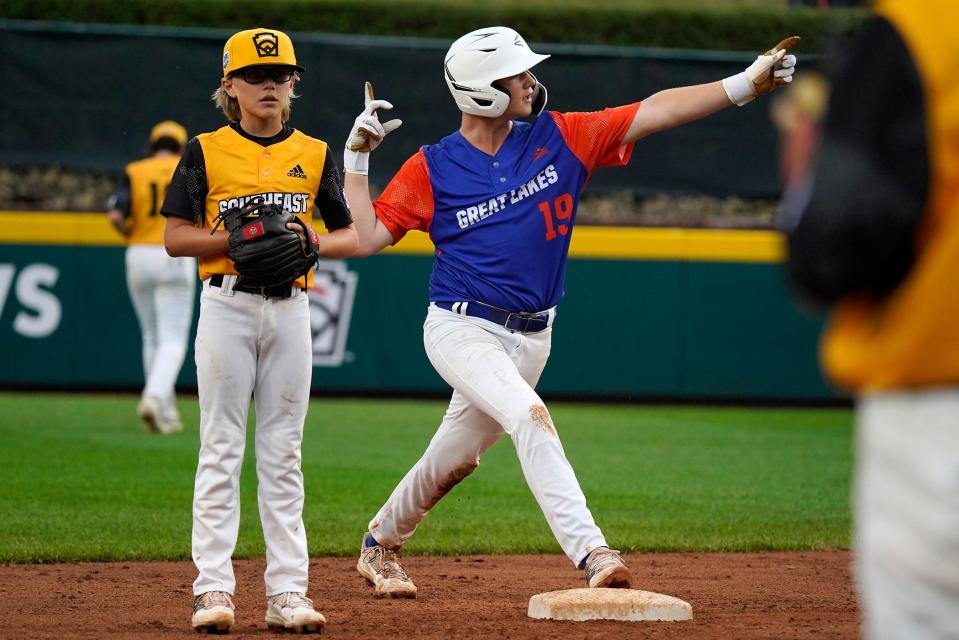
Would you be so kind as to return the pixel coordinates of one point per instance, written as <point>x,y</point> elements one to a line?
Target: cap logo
<point>226,60</point>
<point>267,44</point>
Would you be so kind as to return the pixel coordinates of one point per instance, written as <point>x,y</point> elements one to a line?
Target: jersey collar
<point>510,147</point>
<point>265,142</point>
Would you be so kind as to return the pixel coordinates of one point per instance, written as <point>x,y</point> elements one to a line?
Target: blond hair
<point>230,106</point>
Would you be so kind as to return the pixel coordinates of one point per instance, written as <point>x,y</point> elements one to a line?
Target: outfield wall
<point>648,313</point>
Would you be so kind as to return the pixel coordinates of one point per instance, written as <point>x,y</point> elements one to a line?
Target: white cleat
<point>158,419</point>
<point>149,412</point>
<point>169,421</point>
<point>381,567</point>
<point>294,612</point>
<point>606,569</point>
<point>213,612</point>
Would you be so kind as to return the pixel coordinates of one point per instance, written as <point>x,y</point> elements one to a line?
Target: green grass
<point>81,480</point>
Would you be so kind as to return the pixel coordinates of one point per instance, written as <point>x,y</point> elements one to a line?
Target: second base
<point>607,604</point>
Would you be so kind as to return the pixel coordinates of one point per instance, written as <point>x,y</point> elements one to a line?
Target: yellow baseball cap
<point>168,129</point>
<point>258,46</point>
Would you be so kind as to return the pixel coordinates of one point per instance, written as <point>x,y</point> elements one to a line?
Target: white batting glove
<point>367,133</point>
<point>770,70</point>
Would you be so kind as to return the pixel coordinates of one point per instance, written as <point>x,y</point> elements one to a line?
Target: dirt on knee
<point>540,417</point>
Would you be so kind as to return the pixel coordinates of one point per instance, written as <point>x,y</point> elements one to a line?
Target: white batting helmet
<point>481,57</point>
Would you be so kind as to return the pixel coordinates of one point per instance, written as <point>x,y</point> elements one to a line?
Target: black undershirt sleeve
<point>186,195</point>
<point>853,230</point>
<point>330,200</point>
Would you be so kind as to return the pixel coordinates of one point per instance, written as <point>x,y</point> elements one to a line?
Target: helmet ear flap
<point>498,87</point>
<point>497,105</point>
<point>539,96</point>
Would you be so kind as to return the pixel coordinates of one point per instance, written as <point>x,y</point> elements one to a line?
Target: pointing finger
<point>367,94</point>
<point>785,44</point>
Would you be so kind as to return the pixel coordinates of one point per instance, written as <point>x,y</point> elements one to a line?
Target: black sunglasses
<point>256,75</point>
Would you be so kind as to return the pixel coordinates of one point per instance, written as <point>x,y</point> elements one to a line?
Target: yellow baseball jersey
<point>227,168</point>
<point>148,180</point>
<point>911,338</point>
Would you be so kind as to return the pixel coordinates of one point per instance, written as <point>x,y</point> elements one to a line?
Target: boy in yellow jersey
<point>874,234</point>
<point>161,287</point>
<point>253,340</point>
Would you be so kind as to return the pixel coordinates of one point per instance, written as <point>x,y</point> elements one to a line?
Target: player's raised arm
<point>674,107</point>
<point>366,135</point>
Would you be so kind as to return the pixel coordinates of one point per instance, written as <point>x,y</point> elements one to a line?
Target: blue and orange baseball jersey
<point>502,224</point>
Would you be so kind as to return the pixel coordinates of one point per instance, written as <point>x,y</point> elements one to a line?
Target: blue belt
<point>520,321</point>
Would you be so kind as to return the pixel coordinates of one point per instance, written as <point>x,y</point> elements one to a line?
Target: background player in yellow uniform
<point>161,287</point>
<point>874,233</point>
<point>253,339</point>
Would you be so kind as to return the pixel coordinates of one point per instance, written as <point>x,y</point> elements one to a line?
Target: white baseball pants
<point>162,290</point>
<point>247,344</point>
<point>907,514</point>
<point>493,373</point>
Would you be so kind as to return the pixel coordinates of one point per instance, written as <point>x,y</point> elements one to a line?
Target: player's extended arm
<point>366,135</point>
<point>674,107</point>
<point>183,238</point>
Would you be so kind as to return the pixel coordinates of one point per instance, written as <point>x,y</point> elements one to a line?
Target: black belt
<point>513,320</point>
<point>275,291</point>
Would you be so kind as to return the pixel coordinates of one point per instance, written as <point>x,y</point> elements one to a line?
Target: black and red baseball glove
<point>264,251</point>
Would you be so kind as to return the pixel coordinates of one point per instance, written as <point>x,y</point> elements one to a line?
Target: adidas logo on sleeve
<point>296,172</point>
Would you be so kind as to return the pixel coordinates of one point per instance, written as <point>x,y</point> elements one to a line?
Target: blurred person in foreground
<point>874,235</point>
<point>161,287</point>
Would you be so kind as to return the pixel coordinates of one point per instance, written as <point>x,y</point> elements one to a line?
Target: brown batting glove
<point>367,133</point>
<point>770,70</point>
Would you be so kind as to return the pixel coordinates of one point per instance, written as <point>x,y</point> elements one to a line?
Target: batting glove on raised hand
<point>770,70</point>
<point>367,133</point>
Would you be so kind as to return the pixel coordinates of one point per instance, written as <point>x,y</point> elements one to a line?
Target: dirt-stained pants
<point>247,344</point>
<point>493,372</point>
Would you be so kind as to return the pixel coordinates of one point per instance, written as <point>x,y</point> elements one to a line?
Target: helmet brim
<point>517,67</point>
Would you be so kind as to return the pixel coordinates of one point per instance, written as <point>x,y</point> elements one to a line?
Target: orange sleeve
<point>596,137</point>
<point>407,202</point>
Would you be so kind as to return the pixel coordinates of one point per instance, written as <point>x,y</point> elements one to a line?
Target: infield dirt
<point>747,595</point>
